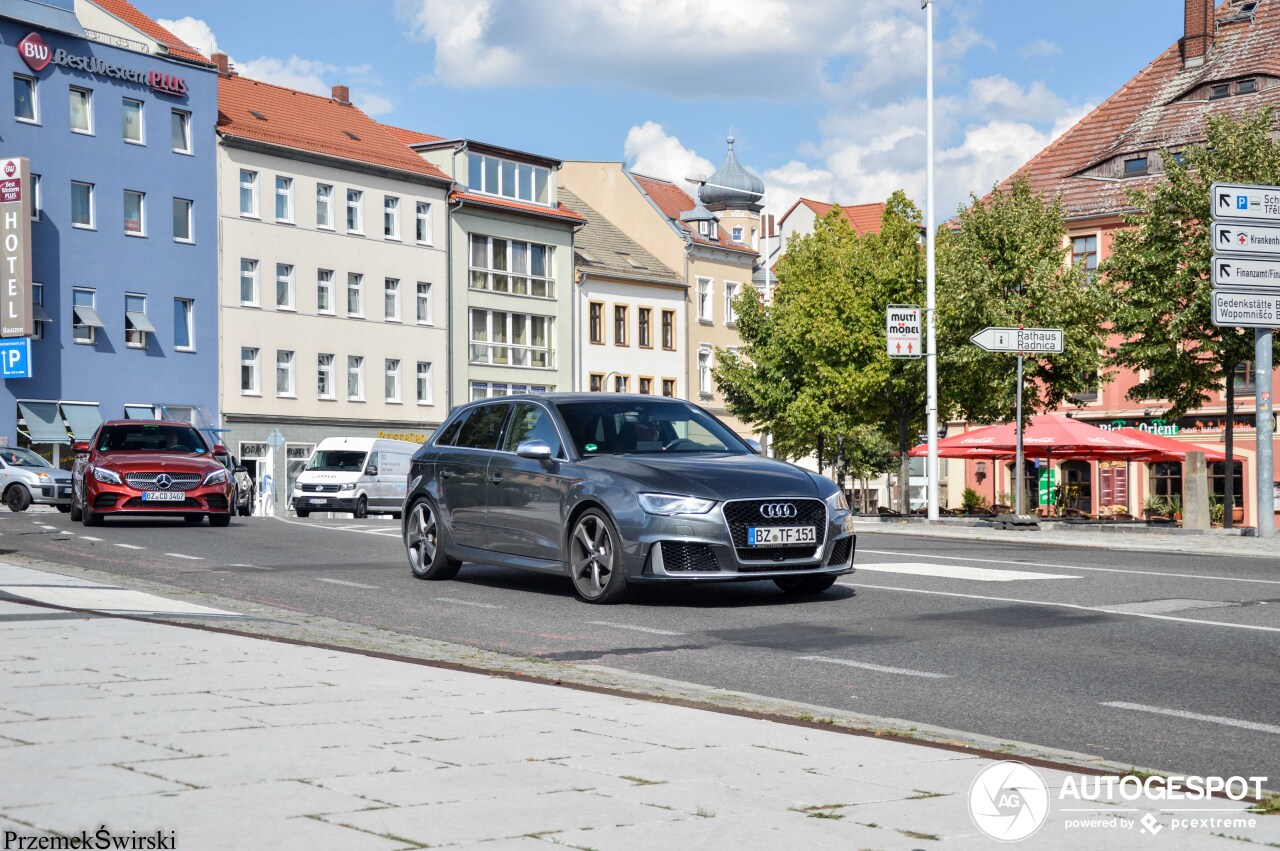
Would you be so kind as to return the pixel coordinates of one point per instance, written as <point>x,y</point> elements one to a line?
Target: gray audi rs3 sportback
<point>615,491</point>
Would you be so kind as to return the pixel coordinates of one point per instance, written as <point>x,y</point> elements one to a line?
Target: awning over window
<point>83,417</point>
<point>140,412</point>
<point>39,314</point>
<point>46,15</point>
<point>139,321</point>
<point>43,422</point>
<point>86,315</point>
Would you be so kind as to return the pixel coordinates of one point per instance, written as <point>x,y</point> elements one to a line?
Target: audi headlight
<point>349,486</point>
<point>837,502</point>
<point>108,477</point>
<point>217,477</point>
<point>666,504</point>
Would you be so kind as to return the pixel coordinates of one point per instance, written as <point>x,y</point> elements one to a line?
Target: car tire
<point>594,560</point>
<point>805,585</point>
<point>192,519</point>
<point>303,513</point>
<point>76,513</point>
<point>424,547</point>
<point>220,521</point>
<point>362,509</point>
<point>243,511</point>
<point>64,508</point>
<point>90,518</point>
<point>17,498</point>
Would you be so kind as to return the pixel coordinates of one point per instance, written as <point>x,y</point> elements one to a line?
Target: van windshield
<point>337,461</point>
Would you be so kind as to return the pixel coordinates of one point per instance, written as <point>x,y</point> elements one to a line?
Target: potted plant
<point>1237,515</point>
<point>971,500</point>
<point>1175,506</point>
<point>1155,506</point>
<point>1216,511</point>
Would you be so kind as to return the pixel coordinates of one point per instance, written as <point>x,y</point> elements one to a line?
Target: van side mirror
<point>81,448</point>
<point>372,471</point>
<point>534,450</point>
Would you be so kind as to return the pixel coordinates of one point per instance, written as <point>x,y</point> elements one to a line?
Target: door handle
<point>446,474</point>
<point>496,478</point>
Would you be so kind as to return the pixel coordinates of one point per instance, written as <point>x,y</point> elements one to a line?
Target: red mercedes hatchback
<point>141,467</point>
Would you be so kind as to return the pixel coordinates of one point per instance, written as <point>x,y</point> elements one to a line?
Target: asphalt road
<point>1155,660</point>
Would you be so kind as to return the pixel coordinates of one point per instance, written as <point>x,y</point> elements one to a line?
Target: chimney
<point>1198,29</point>
<point>223,64</point>
<point>342,95</point>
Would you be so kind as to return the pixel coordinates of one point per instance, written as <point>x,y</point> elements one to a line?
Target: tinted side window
<point>482,428</point>
<point>531,422</point>
<point>450,433</point>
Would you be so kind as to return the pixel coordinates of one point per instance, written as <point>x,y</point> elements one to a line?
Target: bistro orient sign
<point>38,56</point>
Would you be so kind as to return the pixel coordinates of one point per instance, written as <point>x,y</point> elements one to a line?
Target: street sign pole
<point>1017,491</point>
<point>1263,432</point>
<point>931,470</point>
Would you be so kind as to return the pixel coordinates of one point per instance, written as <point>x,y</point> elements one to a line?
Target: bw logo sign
<point>1008,801</point>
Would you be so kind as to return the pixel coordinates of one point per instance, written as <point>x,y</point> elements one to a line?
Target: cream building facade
<point>332,280</point>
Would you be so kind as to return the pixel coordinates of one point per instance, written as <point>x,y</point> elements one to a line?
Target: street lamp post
<point>930,309</point>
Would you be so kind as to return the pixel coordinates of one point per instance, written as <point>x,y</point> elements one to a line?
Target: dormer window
<point>1246,87</point>
<point>703,227</point>
<point>1219,90</point>
<point>712,232</point>
<point>509,179</point>
<point>1136,167</point>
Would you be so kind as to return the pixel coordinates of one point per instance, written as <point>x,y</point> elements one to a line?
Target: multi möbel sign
<point>38,56</point>
<point>15,248</point>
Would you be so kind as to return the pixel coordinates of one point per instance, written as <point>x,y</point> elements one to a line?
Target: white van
<point>363,475</point>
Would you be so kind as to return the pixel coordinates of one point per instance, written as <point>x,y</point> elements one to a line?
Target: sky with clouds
<point>826,98</point>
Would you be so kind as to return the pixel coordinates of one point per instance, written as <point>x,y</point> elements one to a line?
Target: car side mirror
<point>534,450</point>
<point>755,446</point>
<point>372,471</point>
<point>81,448</point>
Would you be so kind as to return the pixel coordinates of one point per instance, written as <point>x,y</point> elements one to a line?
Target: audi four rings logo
<point>164,481</point>
<point>778,510</point>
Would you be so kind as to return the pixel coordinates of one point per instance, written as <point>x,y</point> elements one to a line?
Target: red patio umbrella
<point>1048,435</point>
<point>1168,448</point>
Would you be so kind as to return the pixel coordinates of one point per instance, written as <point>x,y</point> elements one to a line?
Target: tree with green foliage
<point>1159,270</point>
<point>866,454</point>
<point>1008,265</point>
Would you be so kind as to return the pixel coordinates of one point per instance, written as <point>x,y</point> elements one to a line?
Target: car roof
<point>578,397</point>
<point>147,422</point>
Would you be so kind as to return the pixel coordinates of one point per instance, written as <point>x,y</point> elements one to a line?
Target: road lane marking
<point>382,533</point>
<point>1195,716</point>
<point>649,630</point>
<point>884,669</point>
<point>469,603</point>
<point>188,558</point>
<point>958,571</point>
<point>348,584</point>
<point>130,547</point>
<point>250,566</point>
<point>1102,609</point>
<point>89,538</point>
<point>1077,567</point>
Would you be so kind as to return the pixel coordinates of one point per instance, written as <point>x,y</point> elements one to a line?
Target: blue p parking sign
<point>1242,202</point>
<point>15,358</point>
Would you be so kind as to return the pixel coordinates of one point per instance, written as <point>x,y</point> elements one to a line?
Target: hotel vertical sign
<point>15,247</point>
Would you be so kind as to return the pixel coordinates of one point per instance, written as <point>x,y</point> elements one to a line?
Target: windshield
<point>151,437</point>
<point>18,457</point>
<point>337,461</point>
<point>627,427</point>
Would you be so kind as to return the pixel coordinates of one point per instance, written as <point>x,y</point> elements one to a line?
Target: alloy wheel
<point>591,556</point>
<point>421,538</point>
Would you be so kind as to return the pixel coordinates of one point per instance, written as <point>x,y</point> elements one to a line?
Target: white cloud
<point>650,150</point>
<point>294,72</point>
<point>1040,48</point>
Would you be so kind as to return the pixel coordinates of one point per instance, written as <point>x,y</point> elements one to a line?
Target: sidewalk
<point>1116,537</point>
<point>221,741</point>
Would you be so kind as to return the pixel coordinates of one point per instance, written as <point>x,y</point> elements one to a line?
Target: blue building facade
<point>120,137</point>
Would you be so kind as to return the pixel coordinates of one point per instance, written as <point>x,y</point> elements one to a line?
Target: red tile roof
<point>672,201</point>
<point>560,212</point>
<point>130,14</point>
<point>411,137</point>
<point>1164,107</point>
<point>863,218</point>
<point>312,123</point>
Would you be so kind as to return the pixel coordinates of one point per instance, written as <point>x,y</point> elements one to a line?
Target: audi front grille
<point>745,513</point>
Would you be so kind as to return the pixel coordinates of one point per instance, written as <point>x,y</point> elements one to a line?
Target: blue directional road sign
<point>15,358</point>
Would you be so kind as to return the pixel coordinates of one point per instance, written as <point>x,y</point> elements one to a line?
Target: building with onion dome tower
<point>736,197</point>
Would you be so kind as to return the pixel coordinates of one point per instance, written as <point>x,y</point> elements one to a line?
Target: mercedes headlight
<point>666,504</point>
<point>217,477</point>
<point>108,477</point>
<point>837,502</point>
